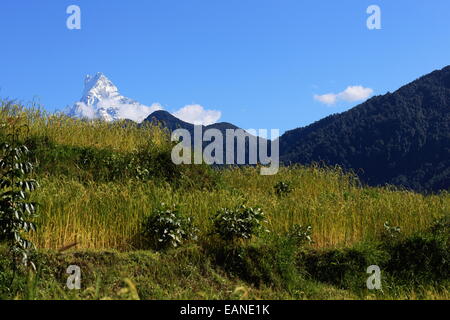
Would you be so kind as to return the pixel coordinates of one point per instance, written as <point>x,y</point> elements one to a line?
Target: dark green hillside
<point>401,138</point>
<point>172,123</point>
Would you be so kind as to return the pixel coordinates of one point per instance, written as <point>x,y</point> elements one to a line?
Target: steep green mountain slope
<point>401,138</point>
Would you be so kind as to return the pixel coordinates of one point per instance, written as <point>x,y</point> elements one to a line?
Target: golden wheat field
<point>108,215</point>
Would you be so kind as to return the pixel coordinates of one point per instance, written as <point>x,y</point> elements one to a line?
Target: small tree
<point>300,235</point>
<point>282,188</point>
<point>168,227</point>
<point>16,210</point>
<point>241,222</point>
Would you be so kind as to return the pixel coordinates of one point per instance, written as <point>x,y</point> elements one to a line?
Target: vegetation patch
<point>99,201</point>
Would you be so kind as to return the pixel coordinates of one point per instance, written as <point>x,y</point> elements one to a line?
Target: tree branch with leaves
<point>16,210</point>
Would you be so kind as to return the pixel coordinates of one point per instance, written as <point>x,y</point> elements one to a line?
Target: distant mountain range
<point>172,123</point>
<point>400,138</point>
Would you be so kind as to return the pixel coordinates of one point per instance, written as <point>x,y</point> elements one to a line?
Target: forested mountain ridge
<point>172,123</point>
<point>400,138</point>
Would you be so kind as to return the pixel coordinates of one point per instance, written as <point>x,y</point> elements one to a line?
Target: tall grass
<point>109,215</point>
<point>118,136</point>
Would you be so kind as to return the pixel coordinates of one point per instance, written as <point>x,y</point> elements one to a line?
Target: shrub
<point>152,161</point>
<point>300,235</point>
<point>283,188</point>
<point>147,161</point>
<point>346,267</point>
<point>441,227</point>
<point>420,258</point>
<point>241,222</point>
<point>390,232</point>
<point>168,227</point>
<point>270,260</point>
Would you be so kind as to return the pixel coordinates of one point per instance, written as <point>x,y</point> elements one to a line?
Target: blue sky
<point>259,62</point>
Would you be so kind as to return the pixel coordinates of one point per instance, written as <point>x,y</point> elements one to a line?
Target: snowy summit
<point>101,100</point>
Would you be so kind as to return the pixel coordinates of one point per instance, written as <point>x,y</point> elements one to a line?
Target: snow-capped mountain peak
<point>98,87</point>
<point>101,100</point>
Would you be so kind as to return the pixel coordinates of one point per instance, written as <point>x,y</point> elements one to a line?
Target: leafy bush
<point>390,232</point>
<point>241,222</point>
<point>16,211</point>
<point>345,268</point>
<point>155,162</point>
<point>283,188</point>
<point>168,227</point>
<point>300,234</point>
<point>271,263</point>
<point>271,260</point>
<point>441,227</point>
<point>415,260</point>
<point>148,161</point>
<point>420,258</point>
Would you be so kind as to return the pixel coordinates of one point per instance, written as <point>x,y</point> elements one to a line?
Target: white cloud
<point>355,93</point>
<point>329,98</point>
<point>136,112</point>
<point>111,109</point>
<point>196,114</point>
<point>351,94</point>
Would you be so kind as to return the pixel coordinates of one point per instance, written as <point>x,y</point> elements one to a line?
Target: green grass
<point>258,270</point>
<point>100,181</point>
<point>181,274</point>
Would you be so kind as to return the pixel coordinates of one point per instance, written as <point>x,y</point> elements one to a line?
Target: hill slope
<point>172,123</point>
<point>401,138</point>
